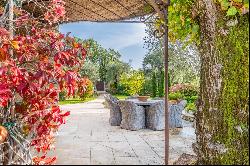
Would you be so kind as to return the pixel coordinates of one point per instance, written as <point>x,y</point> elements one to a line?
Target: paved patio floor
<point>88,139</point>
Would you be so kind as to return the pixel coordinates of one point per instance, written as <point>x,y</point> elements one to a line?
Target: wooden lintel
<point>157,9</point>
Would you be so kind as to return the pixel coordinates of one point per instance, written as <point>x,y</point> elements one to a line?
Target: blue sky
<point>127,38</point>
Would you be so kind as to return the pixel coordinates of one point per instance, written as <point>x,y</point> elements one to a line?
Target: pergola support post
<point>166,57</point>
<point>161,7</point>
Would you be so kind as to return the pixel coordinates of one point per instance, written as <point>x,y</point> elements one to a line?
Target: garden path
<point>88,139</point>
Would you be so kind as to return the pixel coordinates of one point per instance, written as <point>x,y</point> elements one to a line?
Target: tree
<point>184,63</point>
<point>90,70</point>
<point>115,70</point>
<point>154,84</point>
<point>161,84</point>
<point>99,57</point>
<point>224,91</point>
<point>103,64</point>
<point>220,29</point>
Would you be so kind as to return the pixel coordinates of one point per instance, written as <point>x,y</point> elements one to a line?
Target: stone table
<point>175,111</point>
<point>146,105</point>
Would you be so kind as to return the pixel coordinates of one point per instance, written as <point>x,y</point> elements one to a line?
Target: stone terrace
<point>88,139</point>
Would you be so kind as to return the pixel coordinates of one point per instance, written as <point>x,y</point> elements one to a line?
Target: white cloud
<point>119,39</point>
<point>110,35</point>
<point>126,37</point>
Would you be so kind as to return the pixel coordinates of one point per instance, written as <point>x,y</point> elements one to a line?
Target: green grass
<point>121,97</point>
<point>75,101</point>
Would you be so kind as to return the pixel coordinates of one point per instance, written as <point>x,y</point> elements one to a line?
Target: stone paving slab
<point>88,139</point>
<point>127,161</point>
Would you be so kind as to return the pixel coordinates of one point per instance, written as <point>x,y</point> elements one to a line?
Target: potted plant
<point>143,97</point>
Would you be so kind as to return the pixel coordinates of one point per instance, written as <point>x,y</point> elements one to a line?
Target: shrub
<point>191,107</point>
<point>88,89</point>
<point>191,99</point>
<point>121,89</point>
<point>175,96</point>
<point>185,89</point>
<point>189,91</point>
<point>133,82</point>
<point>194,98</point>
<point>112,89</point>
<point>62,95</point>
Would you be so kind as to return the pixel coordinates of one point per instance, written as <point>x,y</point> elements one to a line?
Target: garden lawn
<point>121,97</point>
<point>75,101</point>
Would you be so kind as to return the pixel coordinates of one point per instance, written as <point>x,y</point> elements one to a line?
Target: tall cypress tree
<point>161,84</point>
<point>154,85</point>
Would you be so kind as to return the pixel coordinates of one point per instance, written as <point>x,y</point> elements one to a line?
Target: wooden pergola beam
<point>156,7</point>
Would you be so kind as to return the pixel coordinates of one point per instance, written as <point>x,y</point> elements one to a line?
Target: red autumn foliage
<point>34,68</point>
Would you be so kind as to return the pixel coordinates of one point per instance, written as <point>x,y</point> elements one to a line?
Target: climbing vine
<point>184,17</point>
<point>34,67</point>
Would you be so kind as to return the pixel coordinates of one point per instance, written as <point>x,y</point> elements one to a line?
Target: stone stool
<point>115,111</point>
<point>155,116</point>
<point>175,112</point>
<point>155,119</point>
<point>133,116</point>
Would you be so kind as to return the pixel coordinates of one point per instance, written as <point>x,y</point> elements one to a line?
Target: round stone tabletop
<point>144,103</point>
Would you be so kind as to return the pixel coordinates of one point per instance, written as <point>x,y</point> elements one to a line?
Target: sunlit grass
<point>121,97</point>
<point>76,101</point>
